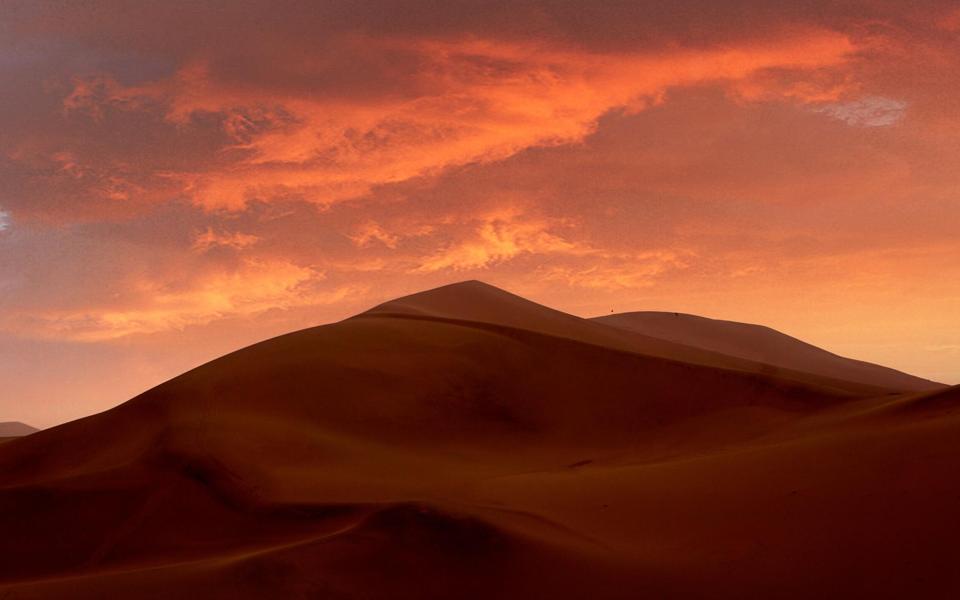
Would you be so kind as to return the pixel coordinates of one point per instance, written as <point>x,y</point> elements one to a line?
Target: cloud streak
<point>255,286</point>
<point>871,111</point>
<point>468,100</point>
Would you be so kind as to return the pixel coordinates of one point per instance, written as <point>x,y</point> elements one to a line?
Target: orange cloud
<point>617,273</point>
<point>370,231</point>
<point>210,239</point>
<point>252,288</point>
<point>473,100</point>
<point>501,235</point>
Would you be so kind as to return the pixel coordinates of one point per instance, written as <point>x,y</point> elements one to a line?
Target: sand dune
<point>467,443</point>
<point>761,344</point>
<point>477,302</point>
<point>15,429</point>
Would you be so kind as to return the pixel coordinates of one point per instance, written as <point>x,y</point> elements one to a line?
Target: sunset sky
<point>180,179</point>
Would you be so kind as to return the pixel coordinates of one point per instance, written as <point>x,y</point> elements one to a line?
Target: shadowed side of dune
<point>402,550</point>
<point>940,404</point>
<point>139,516</point>
<point>416,383</point>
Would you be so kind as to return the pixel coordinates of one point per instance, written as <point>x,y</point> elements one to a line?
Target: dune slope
<point>440,448</point>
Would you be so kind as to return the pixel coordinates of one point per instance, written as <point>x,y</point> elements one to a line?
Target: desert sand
<point>467,443</point>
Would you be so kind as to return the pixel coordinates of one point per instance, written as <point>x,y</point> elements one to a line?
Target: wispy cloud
<point>870,111</point>
<point>211,238</point>
<point>251,288</point>
<point>613,273</point>
<point>496,237</point>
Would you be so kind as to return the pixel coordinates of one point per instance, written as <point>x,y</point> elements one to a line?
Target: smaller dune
<point>15,429</point>
<point>764,345</point>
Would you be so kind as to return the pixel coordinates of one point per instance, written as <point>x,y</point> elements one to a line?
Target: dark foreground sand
<point>466,443</point>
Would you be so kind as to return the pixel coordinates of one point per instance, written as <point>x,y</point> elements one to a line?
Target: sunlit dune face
<point>258,168</point>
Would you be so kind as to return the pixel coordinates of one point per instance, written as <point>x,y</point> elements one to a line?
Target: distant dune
<point>761,344</point>
<point>15,429</point>
<point>467,443</point>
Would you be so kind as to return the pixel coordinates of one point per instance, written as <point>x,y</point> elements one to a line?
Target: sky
<point>181,179</point>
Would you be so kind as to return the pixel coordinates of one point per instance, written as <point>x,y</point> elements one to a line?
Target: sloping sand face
<point>465,443</point>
